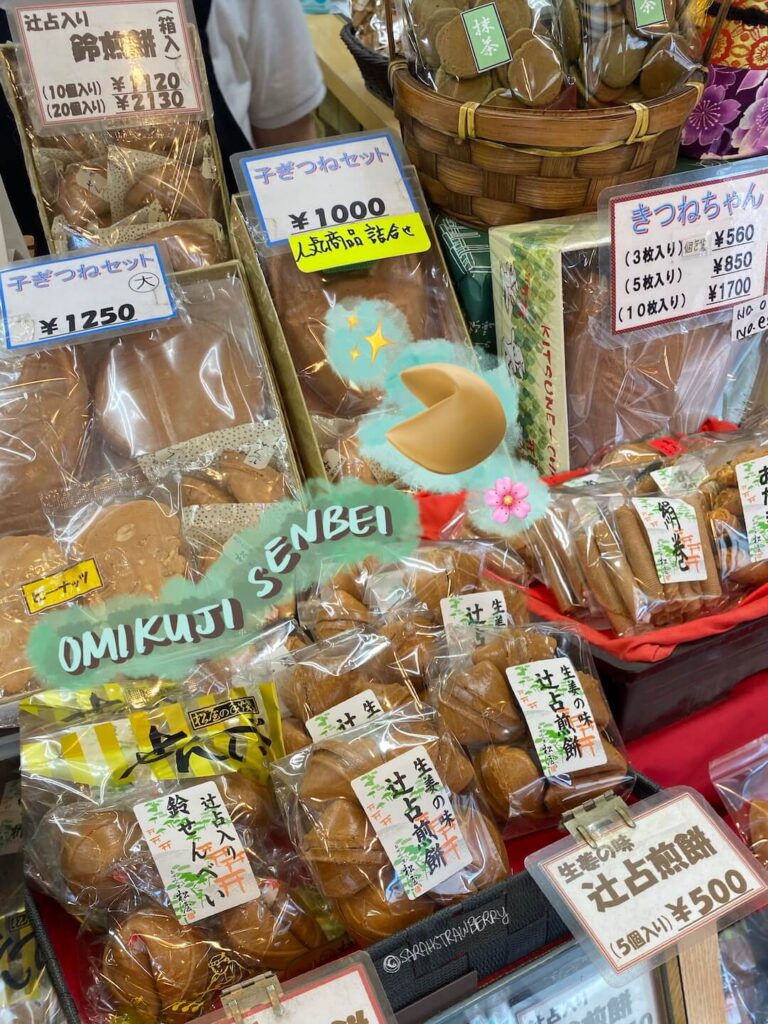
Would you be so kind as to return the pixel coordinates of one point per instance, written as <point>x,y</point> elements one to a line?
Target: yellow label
<point>361,242</point>
<point>67,585</point>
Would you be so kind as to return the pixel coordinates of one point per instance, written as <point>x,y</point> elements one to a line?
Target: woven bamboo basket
<point>487,166</point>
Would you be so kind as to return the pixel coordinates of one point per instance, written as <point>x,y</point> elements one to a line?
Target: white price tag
<point>692,249</point>
<point>749,318</point>
<point>752,478</point>
<point>472,615</point>
<point>61,300</point>
<point>345,716</point>
<point>197,851</point>
<point>123,59</point>
<point>329,184</point>
<point>592,1001</point>
<point>644,889</point>
<point>672,528</point>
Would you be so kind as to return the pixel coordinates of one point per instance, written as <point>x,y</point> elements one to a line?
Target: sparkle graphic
<point>355,353</point>
<point>377,341</point>
<point>352,320</point>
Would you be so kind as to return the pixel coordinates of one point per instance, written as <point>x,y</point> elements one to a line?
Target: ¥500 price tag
<point>61,300</point>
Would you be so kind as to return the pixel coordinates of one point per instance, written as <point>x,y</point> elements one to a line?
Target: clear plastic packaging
<point>741,780</point>
<point>529,708</point>
<point>352,822</point>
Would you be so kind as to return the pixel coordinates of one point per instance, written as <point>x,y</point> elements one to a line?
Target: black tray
<point>645,696</point>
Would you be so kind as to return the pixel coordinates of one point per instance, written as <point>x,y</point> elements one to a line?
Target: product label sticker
<point>558,716</point>
<point>649,13</point>
<point>752,478</point>
<point>681,478</point>
<point>59,588</point>
<point>119,59</point>
<point>695,248</point>
<point>472,615</point>
<point>368,240</point>
<point>672,528</point>
<point>411,812</point>
<point>358,178</point>
<point>10,818</point>
<point>21,966</point>
<point>197,851</point>
<point>63,299</point>
<point>345,716</point>
<point>487,38</point>
<point>749,318</point>
<point>646,888</point>
<point>590,1000</point>
<point>214,714</point>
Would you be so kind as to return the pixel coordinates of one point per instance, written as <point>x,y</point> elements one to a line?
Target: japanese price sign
<point>345,716</point>
<point>558,715</point>
<point>749,318</point>
<point>673,532</point>
<point>473,615</point>
<point>67,585</point>
<point>344,995</point>
<point>338,202</point>
<point>197,851</point>
<point>118,59</point>
<point>487,38</point>
<point>752,478</point>
<point>410,810</point>
<point>61,300</point>
<point>643,889</point>
<point>591,1001</point>
<point>691,249</point>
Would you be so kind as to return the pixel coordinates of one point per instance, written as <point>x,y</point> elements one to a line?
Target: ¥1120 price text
<point>88,320</point>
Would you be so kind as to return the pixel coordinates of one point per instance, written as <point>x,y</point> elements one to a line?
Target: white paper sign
<point>327,184</point>
<point>62,300</point>
<point>10,818</point>
<point>591,1000</point>
<point>125,59</point>
<point>752,478</point>
<point>682,477</point>
<point>411,813</point>
<point>345,716</point>
<point>197,851</point>
<point>673,532</point>
<point>346,997</point>
<point>692,249</point>
<point>558,716</point>
<point>749,318</point>
<point>472,615</point>
<point>645,888</point>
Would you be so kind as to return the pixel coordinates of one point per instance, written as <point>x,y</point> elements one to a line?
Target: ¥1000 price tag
<point>642,890</point>
<point>61,300</point>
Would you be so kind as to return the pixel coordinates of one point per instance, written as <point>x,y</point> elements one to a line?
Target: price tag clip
<point>239,999</point>
<point>589,819</point>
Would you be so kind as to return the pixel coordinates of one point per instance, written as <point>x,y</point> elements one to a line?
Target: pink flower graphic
<point>507,498</point>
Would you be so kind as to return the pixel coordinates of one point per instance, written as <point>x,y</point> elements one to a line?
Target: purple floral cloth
<point>731,117</point>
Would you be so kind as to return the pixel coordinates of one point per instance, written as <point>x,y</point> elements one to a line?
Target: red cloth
<point>436,511</point>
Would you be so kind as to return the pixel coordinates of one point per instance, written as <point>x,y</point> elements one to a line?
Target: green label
<point>486,37</point>
<point>649,12</point>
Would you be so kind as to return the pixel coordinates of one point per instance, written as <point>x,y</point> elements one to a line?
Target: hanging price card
<point>693,248</point>
<point>129,60</point>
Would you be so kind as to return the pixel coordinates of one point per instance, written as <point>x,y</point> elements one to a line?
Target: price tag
<point>591,1001</point>
<point>67,585</point>
<point>672,528</point>
<point>345,716</point>
<point>679,252</point>
<point>749,318</point>
<point>472,615</point>
<point>332,184</point>
<point>61,300</point>
<point>641,890</point>
<point>118,59</point>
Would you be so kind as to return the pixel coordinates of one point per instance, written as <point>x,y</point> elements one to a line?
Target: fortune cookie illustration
<point>463,423</point>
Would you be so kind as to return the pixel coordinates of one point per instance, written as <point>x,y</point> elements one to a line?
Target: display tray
<point>645,696</point>
<point>475,939</point>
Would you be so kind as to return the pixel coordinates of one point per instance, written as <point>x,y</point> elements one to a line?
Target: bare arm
<point>296,131</point>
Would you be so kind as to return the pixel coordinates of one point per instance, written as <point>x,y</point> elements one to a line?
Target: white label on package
<point>752,477</point>
<point>328,184</point>
<point>681,478</point>
<point>61,300</point>
<point>645,888</point>
<point>749,318</point>
<point>411,812</point>
<point>10,818</point>
<point>125,59</point>
<point>672,528</point>
<point>558,716</point>
<point>472,615</point>
<point>345,716</point>
<point>197,851</point>
<point>593,1001</point>
<point>345,997</point>
<point>680,252</point>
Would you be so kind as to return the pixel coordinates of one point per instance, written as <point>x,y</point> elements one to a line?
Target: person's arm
<point>297,131</point>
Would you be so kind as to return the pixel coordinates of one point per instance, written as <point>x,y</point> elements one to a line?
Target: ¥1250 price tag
<point>749,318</point>
<point>118,59</point>
<point>642,890</point>
<point>63,299</point>
<point>694,248</point>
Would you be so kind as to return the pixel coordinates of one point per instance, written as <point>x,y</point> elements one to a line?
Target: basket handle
<point>722,14</point>
<point>390,28</point>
